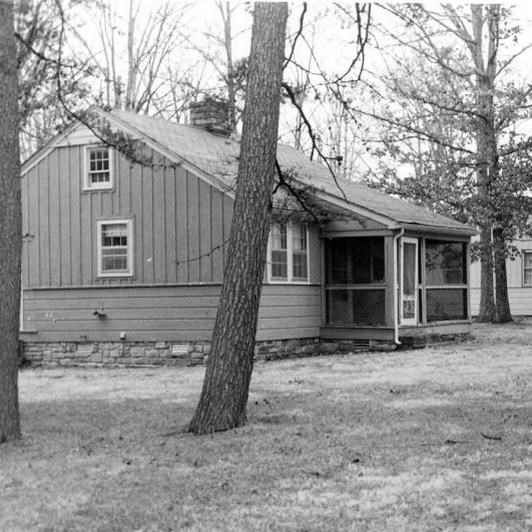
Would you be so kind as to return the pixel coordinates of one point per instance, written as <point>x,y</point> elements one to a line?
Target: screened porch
<point>394,282</point>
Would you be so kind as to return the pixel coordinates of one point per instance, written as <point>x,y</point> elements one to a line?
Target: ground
<point>424,440</point>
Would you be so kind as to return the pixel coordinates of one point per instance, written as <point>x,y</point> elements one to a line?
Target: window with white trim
<point>527,268</point>
<point>288,253</point>
<point>98,167</point>
<point>115,248</point>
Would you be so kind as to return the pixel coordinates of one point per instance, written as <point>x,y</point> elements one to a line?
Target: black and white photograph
<point>265,266</point>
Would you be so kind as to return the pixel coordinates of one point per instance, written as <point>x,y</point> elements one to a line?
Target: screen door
<point>409,281</point>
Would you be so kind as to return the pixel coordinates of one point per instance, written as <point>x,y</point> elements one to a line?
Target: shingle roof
<point>218,156</point>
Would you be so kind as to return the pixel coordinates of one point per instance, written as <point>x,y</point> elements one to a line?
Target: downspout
<point>395,288</point>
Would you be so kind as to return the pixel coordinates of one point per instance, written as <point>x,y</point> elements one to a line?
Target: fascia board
<point>441,230</point>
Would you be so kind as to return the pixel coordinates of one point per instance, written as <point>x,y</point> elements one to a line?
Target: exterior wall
<point>161,313</point>
<point>180,223</point>
<point>520,296</point>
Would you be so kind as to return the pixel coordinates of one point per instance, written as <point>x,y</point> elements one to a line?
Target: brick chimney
<point>210,114</point>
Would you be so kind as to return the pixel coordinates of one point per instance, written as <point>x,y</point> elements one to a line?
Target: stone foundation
<point>131,354</point>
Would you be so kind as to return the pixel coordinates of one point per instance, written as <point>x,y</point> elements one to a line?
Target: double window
<point>98,168</point>
<point>288,253</point>
<point>115,248</point>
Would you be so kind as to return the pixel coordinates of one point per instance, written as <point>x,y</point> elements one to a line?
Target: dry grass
<point>435,439</point>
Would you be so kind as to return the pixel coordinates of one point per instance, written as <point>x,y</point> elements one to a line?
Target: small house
<point>123,261</point>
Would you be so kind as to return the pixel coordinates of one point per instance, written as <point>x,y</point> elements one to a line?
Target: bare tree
<point>223,400</point>
<point>149,44</point>
<point>10,228</point>
<point>444,99</point>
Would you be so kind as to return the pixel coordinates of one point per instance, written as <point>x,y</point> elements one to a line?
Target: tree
<point>10,228</point>
<point>147,40</point>
<point>223,400</point>
<point>38,34</point>
<point>454,116</point>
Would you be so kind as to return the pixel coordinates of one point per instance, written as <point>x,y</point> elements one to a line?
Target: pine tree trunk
<point>503,312</point>
<point>224,396</point>
<point>10,229</point>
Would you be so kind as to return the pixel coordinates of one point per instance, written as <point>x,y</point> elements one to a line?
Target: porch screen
<point>446,280</point>
<point>355,281</point>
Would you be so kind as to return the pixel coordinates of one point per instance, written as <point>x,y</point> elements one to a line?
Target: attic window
<point>98,164</point>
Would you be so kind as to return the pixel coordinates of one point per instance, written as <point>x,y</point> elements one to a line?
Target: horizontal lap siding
<point>172,313</point>
<point>520,301</point>
<point>520,296</point>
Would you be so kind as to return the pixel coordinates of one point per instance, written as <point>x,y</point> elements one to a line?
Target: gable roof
<point>215,157</point>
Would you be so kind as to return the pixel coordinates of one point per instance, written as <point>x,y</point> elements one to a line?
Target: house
<point>519,275</point>
<point>123,262</point>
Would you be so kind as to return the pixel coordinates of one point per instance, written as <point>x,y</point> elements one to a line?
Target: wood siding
<point>520,296</point>
<point>170,313</point>
<point>178,220</point>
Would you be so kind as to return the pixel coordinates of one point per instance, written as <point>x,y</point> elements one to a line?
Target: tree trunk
<point>224,396</point>
<point>503,312</point>
<point>486,152</point>
<point>10,229</point>
<point>487,300</point>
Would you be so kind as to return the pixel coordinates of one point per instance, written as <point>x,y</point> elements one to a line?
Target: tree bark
<point>486,153</point>
<point>224,396</point>
<point>10,228</point>
<point>503,313</point>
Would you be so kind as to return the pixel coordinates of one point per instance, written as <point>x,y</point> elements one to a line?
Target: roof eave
<point>356,209</point>
<point>441,229</point>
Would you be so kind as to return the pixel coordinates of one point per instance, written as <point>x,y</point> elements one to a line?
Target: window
<point>115,249</point>
<point>98,164</point>
<point>446,280</point>
<point>527,268</point>
<point>288,253</point>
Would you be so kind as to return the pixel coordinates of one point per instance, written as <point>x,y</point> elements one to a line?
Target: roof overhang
<point>388,222</point>
<point>440,230</point>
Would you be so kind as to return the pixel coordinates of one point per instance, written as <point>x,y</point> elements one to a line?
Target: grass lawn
<point>433,439</point>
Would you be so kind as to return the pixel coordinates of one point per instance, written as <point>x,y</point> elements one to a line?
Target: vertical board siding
<point>205,224</point>
<point>147,223</point>
<point>179,313</point>
<point>193,226</point>
<point>178,221</point>
<point>64,219</point>
<point>43,238</point>
<point>217,236</point>
<point>54,220</point>
<point>26,232</point>
<point>160,242</point>
<point>73,246</point>
<point>137,199</point>
<point>181,220</point>
<point>170,249</point>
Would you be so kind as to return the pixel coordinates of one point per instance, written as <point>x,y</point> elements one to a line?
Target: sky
<point>333,42</point>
